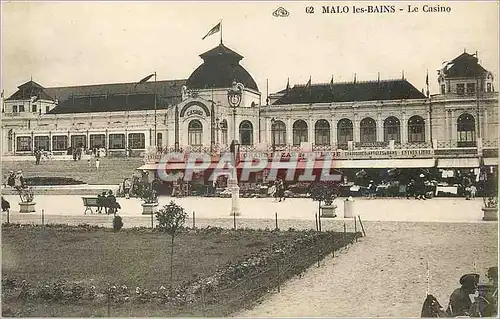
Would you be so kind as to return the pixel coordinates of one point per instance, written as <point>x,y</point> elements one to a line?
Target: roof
<point>220,51</point>
<point>464,66</point>
<point>220,69</point>
<point>29,89</point>
<point>350,92</point>
<point>111,103</point>
<point>112,97</point>
<point>165,89</point>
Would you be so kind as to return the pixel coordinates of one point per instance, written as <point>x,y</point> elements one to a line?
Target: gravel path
<point>384,274</point>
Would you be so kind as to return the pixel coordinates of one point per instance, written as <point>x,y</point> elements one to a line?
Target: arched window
<point>416,129</point>
<point>195,133</point>
<point>299,132</point>
<point>322,132</point>
<point>223,130</point>
<point>368,130</point>
<point>344,132</point>
<point>246,133</point>
<point>278,130</point>
<point>466,130</point>
<point>392,129</point>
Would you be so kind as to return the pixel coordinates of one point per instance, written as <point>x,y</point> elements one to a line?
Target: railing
<point>444,149</point>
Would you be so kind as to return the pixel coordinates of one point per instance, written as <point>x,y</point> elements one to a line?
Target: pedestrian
<point>111,203</point>
<point>5,205</point>
<point>89,163</point>
<point>11,179</point>
<point>97,164</point>
<point>38,156</point>
<point>466,183</point>
<point>420,187</point>
<point>460,301</point>
<point>19,180</point>
<point>410,189</point>
<point>126,187</point>
<point>473,191</point>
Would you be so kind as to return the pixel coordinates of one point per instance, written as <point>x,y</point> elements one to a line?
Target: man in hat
<point>420,187</point>
<point>460,302</point>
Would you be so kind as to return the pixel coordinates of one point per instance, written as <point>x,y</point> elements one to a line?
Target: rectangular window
<point>33,108</point>
<point>23,144</point>
<point>42,143</point>
<point>79,141</point>
<point>488,87</point>
<point>443,89</point>
<point>460,89</point>
<point>471,88</point>
<point>136,141</point>
<point>159,139</point>
<point>97,141</point>
<point>21,108</point>
<point>116,141</point>
<point>14,108</point>
<point>59,142</point>
<point>47,109</point>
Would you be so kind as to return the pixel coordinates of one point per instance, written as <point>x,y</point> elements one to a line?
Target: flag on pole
<point>427,79</point>
<point>288,85</point>
<point>331,83</point>
<point>212,31</point>
<point>144,80</point>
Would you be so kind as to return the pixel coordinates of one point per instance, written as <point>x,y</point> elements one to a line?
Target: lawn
<point>140,258</point>
<point>111,170</point>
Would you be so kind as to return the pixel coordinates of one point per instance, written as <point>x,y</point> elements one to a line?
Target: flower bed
<point>264,259</point>
<point>50,181</point>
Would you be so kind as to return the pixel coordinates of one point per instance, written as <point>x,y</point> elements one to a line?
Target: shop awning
<point>378,163</point>
<point>385,163</point>
<point>458,163</point>
<point>492,161</point>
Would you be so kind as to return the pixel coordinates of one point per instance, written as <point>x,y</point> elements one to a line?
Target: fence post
<point>318,251</point>
<point>194,220</point>
<point>43,217</point>
<point>344,236</point>
<point>152,220</point>
<point>355,230</point>
<point>109,303</point>
<point>234,221</point>
<point>316,218</point>
<point>8,216</point>
<point>362,228</point>
<point>276,217</point>
<point>278,272</point>
<point>333,245</point>
<point>203,299</point>
<point>319,221</point>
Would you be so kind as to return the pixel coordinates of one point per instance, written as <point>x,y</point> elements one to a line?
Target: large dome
<point>220,69</point>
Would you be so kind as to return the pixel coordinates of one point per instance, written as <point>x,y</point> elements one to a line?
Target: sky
<point>79,43</point>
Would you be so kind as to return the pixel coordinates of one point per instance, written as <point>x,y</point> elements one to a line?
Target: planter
<point>328,211</point>
<point>27,207</point>
<point>490,213</point>
<point>149,208</point>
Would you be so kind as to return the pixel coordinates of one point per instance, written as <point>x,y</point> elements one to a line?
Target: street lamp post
<point>233,181</point>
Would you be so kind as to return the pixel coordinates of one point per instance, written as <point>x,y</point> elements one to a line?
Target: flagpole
<point>155,139</point>
<point>220,31</point>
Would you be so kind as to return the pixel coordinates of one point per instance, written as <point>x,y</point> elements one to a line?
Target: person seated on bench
<point>111,204</point>
<point>101,202</point>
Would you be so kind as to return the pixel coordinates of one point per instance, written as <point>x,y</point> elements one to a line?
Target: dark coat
<point>460,303</point>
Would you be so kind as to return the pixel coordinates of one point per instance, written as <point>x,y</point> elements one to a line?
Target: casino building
<point>375,124</point>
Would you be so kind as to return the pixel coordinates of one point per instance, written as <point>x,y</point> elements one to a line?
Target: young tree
<point>171,218</point>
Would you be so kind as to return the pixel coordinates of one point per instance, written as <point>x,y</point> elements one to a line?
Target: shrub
<point>117,223</point>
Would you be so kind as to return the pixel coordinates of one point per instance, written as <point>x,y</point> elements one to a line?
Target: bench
<point>90,202</point>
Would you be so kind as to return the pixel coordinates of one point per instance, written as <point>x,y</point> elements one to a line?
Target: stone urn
<point>27,207</point>
<point>329,211</point>
<point>490,213</point>
<point>149,208</point>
